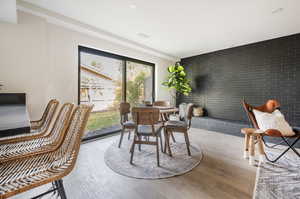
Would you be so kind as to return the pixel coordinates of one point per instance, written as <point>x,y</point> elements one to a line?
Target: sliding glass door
<point>139,83</point>
<point>105,80</point>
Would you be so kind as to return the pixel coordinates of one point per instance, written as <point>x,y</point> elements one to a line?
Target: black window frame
<point>119,57</point>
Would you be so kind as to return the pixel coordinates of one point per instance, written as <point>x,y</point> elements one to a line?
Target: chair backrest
<point>161,103</point>
<point>269,107</point>
<point>124,111</point>
<point>59,127</point>
<point>70,146</point>
<point>48,114</point>
<point>189,114</point>
<point>145,115</point>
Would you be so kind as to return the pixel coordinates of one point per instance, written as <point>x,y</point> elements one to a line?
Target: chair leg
<point>129,133</point>
<point>187,141</point>
<point>121,137</point>
<point>140,139</point>
<point>291,146</point>
<point>173,137</point>
<point>168,143</point>
<point>61,189</point>
<point>161,144</point>
<point>165,135</point>
<point>157,151</point>
<point>132,149</point>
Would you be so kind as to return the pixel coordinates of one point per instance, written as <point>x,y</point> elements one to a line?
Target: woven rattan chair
<point>43,123</point>
<point>50,141</point>
<point>125,123</point>
<point>269,107</point>
<point>180,127</point>
<point>147,125</point>
<point>27,173</point>
<point>38,128</point>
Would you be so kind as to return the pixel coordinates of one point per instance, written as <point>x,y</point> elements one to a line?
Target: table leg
<point>261,149</point>
<point>252,150</point>
<point>246,147</point>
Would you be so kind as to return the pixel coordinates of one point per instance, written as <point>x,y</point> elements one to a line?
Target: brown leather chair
<point>126,124</point>
<point>269,107</point>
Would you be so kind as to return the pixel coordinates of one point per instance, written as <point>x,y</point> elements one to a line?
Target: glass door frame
<point>124,59</point>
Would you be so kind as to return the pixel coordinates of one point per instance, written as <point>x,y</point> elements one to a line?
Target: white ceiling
<point>185,28</point>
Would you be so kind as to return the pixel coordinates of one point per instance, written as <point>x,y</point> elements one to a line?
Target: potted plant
<point>177,81</point>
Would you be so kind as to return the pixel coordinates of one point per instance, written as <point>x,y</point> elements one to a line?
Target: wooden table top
<point>162,109</point>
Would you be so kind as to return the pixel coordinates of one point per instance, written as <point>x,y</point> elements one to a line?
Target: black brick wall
<point>258,72</point>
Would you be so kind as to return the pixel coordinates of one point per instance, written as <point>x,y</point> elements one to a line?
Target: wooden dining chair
<point>164,116</point>
<point>179,127</point>
<point>161,103</point>
<point>126,124</point>
<point>147,125</point>
<point>26,173</point>
<point>46,143</point>
<point>39,127</point>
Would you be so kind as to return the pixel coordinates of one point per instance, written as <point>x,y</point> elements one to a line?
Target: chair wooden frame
<point>48,142</point>
<point>27,173</point>
<point>39,127</point>
<point>179,127</point>
<point>271,132</point>
<point>164,116</point>
<point>147,117</point>
<point>124,121</point>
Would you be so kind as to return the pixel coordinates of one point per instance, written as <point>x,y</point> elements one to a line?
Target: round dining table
<point>165,111</point>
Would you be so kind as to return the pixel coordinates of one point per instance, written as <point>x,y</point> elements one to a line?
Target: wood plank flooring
<point>223,173</point>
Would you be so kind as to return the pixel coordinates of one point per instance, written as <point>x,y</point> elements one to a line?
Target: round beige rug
<point>144,162</point>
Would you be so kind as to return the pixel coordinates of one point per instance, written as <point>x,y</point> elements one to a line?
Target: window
<point>105,80</point>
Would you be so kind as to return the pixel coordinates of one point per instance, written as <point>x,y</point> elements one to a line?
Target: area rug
<point>144,162</point>
<point>278,180</point>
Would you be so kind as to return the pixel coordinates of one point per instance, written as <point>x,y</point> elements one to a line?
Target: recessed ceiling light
<point>132,6</point>
<point>277,10</point>
<point>143,35</point>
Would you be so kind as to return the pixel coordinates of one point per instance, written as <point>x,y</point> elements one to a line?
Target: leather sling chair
<point>269,107</point>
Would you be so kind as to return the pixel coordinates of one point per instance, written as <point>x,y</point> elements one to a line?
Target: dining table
<point>165,111</point>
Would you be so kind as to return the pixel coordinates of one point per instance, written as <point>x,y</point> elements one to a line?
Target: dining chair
<point>161,103</point>
<point>26,173</point>
<point>39,127</point>
<point>46,143</point>
<point>147,125</point>
<point>44,122</point>
<point>179,127</point>
<point>164,117</point>
<point>126,124</point>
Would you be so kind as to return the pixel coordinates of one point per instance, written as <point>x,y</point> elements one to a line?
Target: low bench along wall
<point>230,127</point>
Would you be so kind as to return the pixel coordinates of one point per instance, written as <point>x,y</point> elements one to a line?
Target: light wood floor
<point>223,173</point>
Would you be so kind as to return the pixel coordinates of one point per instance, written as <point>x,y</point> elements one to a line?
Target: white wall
<point>8,11</point>
<point>41,59</point>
